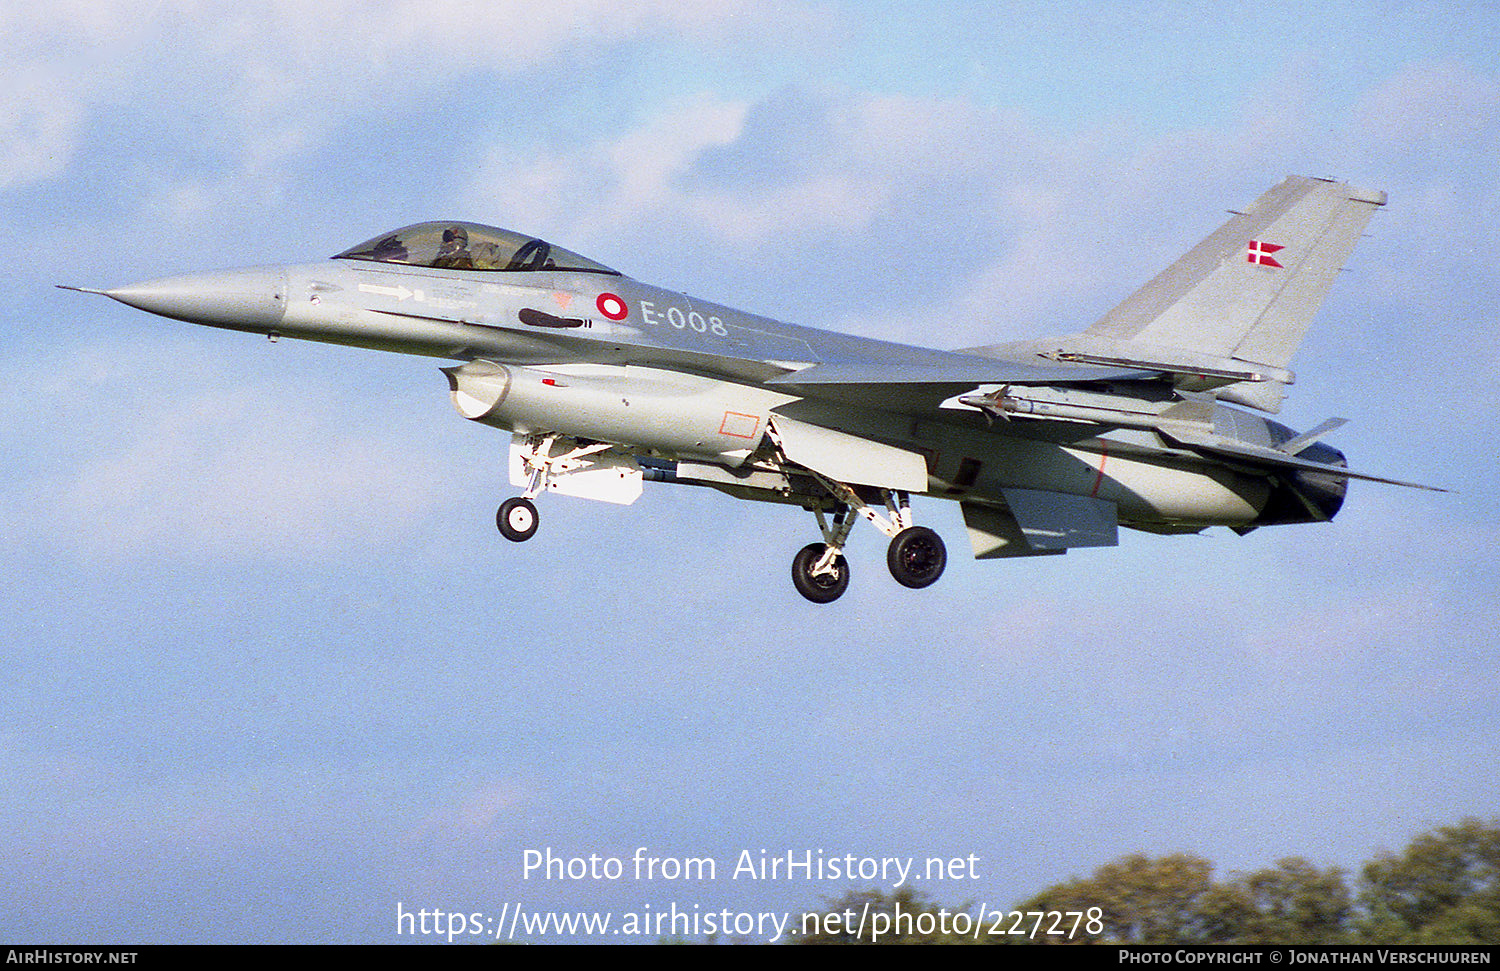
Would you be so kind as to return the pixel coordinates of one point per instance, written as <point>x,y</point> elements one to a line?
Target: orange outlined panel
<point>737,425</point>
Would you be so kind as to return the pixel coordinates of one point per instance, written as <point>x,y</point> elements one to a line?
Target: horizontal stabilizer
<point>1274,457</point>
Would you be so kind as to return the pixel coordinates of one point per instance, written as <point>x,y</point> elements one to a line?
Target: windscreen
<point>469,246</point>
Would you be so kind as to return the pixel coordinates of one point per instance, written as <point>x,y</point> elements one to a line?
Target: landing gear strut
<point>518,517</point>
<point>819,571</point>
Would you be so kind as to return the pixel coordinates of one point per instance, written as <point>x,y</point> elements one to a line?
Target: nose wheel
<point>517,519</point>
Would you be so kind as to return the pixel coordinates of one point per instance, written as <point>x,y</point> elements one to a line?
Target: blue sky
<point>272,671</point>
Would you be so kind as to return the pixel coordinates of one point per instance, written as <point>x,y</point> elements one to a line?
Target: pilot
<point>454,253</point>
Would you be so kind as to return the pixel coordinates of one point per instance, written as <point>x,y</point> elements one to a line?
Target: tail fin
<point>1250,290</point>
<point>1239,303</point>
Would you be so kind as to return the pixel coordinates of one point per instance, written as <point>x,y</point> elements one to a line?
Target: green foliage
<point>1167,900</point>
<point>1292,903</point>
<point>1175,900</point>
<point>1444,889</point>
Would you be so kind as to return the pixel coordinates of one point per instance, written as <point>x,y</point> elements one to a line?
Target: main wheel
<point>826,587</point>
<point>917,557</point>
<point>517,519</point>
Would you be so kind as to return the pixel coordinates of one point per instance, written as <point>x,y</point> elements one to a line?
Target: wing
<point>952,369</point>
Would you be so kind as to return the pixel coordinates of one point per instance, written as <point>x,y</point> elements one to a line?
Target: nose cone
<point>251,299</point>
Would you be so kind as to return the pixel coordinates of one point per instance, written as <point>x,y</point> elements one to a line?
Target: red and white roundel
<point>612,306</point>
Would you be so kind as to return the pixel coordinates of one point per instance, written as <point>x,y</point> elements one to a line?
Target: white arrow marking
<point>400,293</point>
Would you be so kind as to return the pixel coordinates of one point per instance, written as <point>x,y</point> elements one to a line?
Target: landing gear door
<point>612,475</point>
<point>844,457</point>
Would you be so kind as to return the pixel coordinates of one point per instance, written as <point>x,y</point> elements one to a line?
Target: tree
<point>1444,889</point>
<point>1167,900</point>
<point>1292,903</point>
<point>1175,900</point>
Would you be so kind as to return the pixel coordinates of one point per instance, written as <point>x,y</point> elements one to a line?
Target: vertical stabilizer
<point>1249,291</point>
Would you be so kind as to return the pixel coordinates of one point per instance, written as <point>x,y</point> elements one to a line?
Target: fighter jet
<point>606,383</point>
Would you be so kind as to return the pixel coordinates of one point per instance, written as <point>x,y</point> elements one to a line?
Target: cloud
<point>600,685</point>
<point>945,220</point>
<point>220,464</point>
<point>40,125</point>
<point>608,187</point>
<point>961,222</point>
<point>475,811</point>
<point>225,473</point>
<point>1432,107</point>
<point>245,94</point>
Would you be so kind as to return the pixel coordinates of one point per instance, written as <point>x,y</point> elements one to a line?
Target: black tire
<point>917,557</point>
<point>517,519</point>
<point>820,589</point>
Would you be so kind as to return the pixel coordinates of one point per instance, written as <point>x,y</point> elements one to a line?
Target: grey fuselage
<point>681,379</point>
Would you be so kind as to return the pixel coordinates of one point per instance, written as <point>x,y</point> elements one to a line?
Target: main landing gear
<point>916,556</point>
<point>820,574</point>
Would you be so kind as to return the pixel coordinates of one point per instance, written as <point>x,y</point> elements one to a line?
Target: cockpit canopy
<point>469,246</point>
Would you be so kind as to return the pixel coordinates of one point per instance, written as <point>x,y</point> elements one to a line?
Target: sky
<point>274,677</point>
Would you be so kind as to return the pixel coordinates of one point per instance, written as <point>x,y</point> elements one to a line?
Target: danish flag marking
<point>1260,253</point>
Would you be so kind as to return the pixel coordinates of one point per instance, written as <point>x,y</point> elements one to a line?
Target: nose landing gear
<point>534,465</point>
<point>517,519</point>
